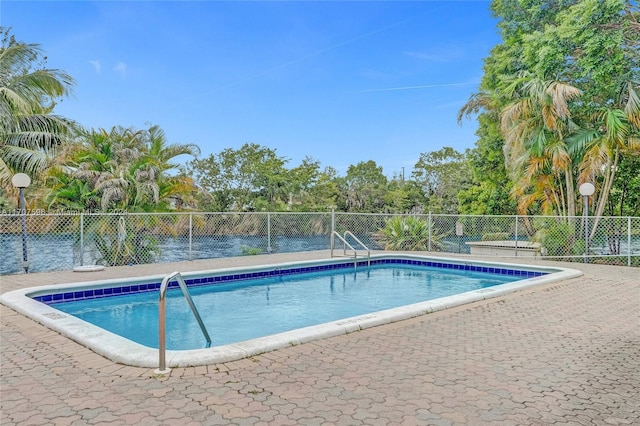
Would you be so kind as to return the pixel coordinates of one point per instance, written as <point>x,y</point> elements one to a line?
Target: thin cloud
<point>316,53</point>
<point>425,86</point>
<point>440,55</point>
<point>96,66</point>
<point>121,68</point>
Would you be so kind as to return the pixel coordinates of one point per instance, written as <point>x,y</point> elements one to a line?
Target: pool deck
<point>561,353</point>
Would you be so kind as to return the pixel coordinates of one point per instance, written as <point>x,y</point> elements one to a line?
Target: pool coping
<point>121,350</point>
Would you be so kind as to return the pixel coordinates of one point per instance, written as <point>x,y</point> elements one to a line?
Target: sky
<point>340,82</point>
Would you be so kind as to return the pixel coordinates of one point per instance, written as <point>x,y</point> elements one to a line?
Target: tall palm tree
<point>155,163</point>
<point>534,127</point>
<point>29,133</point>
<point>614,131</point>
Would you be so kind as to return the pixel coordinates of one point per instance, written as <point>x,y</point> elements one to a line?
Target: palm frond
<point>595,158</point>
<point>632,106</point>
<point>580,140</point>
<point>561,94</point>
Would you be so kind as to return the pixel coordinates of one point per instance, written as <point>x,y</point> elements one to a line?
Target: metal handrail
<point>346,244</point>
<point>162,368</point>
<point>349,233</point>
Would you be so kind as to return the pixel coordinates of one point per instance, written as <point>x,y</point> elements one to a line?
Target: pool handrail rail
<point>349,233</point>
<point>177,276</point>
<point>346,244</point>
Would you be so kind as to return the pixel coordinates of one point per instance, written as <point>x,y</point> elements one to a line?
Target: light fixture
<point>586,190</point>
<point>22,181</point>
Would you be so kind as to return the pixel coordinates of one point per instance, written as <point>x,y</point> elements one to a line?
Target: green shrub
<point>496,236</point>
<point>559,239</point>
<point>125,242</point>
<point>250,251</point>
<point>407,234</point>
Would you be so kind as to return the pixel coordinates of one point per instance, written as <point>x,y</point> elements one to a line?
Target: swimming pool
<point>371,308</point>
<point>242,309</point>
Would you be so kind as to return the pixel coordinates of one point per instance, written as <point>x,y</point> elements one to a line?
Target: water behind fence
<point>49,242</point>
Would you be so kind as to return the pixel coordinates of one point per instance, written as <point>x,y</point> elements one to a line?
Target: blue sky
<point>338,81</point>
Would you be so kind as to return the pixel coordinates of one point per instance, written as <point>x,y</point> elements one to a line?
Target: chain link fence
<point>49,242</point>
<point>603,240</point>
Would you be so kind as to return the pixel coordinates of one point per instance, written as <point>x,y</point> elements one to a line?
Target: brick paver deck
<point>566,353</point>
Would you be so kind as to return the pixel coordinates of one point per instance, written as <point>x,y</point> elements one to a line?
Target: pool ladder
<point>346,244</point>
<point>162,368</point>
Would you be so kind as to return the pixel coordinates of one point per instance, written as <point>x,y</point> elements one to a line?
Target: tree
<point>365,187</point>
<point>557,139</point>
<point>326,193</point>
<point>441,175</point>
<point>30,135</point>
<point>536,154</point>
<point>156,166</point>
<point>614,133</point>
<point>313,189</point>
<point>601,40</point>
<point>404,196</point>
<point>624,198</point>
<point>490,191</point>
<point>252,177</point>
<point>123,169</point>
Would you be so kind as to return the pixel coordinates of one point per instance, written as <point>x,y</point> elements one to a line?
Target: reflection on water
<point>45,253</point>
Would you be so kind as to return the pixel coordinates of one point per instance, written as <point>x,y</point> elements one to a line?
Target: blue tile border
<point>96,293</point>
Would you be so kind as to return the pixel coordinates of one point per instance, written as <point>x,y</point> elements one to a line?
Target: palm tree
<point>534,127</point>
<point>613,132</point>
<point>409,233</point>
<point>64,191</point>
<point>156,161</point>
<point>125,169</point>
<point>29,133</point>
<point>122,170</point>
<point>101,160</point>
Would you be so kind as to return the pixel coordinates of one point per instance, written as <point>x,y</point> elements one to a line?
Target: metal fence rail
<point>64,241</point>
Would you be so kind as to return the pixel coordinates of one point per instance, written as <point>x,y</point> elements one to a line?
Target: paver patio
<point>564,353</point>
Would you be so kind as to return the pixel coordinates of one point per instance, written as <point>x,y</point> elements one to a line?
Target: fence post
<point>430,226</point>
<point>269,233</point>
<point>333,227</point>
<point>516,249</point>
<point>81,239</point>
<point>629,241</point>
<point>190,236</point>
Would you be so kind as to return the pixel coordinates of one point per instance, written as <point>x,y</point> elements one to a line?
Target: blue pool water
<point>237,308</point>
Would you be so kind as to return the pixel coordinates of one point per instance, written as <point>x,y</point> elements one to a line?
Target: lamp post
<point>21,181</point>
<point>586,189</point>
